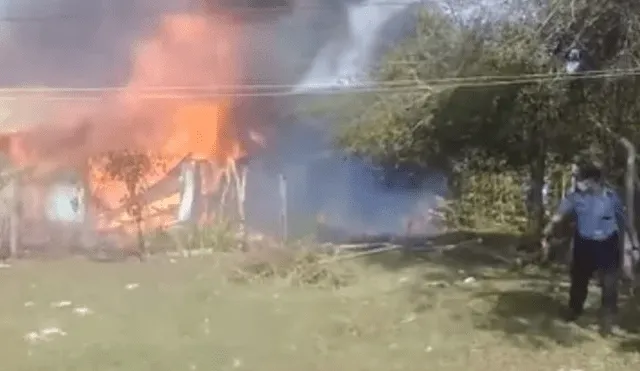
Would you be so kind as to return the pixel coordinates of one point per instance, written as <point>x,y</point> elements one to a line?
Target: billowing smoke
<point>89,43</point>
<point>70,42</point>
<point>346,193</point>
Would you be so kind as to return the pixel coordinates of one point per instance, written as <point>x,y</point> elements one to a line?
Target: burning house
<point>201,87</point>
<point>145,156</point>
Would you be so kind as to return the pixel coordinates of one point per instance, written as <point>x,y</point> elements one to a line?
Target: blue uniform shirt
<point>597,215</point>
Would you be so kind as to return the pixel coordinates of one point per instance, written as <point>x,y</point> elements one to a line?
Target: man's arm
<point>566,207</point>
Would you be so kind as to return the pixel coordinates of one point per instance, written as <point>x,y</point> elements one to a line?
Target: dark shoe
<point>606,327</point>
<point>607,324</point>
<point>571,315</point>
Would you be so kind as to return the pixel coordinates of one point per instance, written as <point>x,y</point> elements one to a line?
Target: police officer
<point>600,220</point>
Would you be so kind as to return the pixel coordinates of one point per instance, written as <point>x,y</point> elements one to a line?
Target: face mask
<point>582,186</point>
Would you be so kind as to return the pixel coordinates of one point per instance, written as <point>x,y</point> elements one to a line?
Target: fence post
<point>628,259</point>
<point>14,216</point>
<point>629,188</point>
<point>283,207</point>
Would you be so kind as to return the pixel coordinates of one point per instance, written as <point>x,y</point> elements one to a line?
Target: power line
<point>173,92</point>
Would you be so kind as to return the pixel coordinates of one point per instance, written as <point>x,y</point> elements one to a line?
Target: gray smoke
<point>350,194</point>
<point>69,42</point>
<point>88,43</point>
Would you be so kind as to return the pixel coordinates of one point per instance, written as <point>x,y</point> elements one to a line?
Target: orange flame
<point>192,51</point>
<point>187,50</point>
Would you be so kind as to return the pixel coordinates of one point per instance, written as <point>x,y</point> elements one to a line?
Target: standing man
<point>600,221</point>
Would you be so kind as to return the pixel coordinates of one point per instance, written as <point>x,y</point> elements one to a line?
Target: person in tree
<point>600,220</point>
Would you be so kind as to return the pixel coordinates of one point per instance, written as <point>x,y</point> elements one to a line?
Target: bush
<point>488,201</point>
<point>255,258</point>
<point>296,265</point>
<point>221,236</point>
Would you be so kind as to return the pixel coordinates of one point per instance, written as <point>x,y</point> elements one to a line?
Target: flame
<point>186,50</point>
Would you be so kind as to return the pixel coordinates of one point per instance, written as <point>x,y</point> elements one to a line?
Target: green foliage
<point>489,201</point>
<point>220,235</point>
<point>470,106</point>
<point>217,236</point>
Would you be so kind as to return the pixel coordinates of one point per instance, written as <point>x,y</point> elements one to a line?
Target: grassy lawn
<point>398,313</point>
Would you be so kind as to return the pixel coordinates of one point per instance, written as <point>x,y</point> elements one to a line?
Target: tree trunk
<point>537,170</point>
<point>14,217</point>
<point>142,250</point>
<point>284,219</point>
<point>628,258</point>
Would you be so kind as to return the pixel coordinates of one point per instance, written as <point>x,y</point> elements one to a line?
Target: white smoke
<point>344,62</point>
<point>347,193</point>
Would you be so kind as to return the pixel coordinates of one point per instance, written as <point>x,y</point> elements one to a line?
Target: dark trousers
<point>590,256</point>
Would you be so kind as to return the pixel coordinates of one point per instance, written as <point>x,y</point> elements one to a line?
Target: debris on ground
<point>469,281</point>
<point>45,334</point>
<point>61,304</point>
<point>409,318</point>
<point>132,286</point>
<point>440,284</point>
<point>82,311</point>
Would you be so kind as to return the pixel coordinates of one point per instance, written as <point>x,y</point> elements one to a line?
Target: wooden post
<point>187,206</point>
<point>629,188</point>
<point>86,202</point>
<point>564,186</point>
<point>574,178</point>
<point>284,222</point>
<point>241,191</point>
<point>14,217</point>
<point>226,182</point>
<point>629,260</point>
<point>572,188</point>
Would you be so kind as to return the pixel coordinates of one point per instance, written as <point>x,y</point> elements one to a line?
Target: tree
<point>132,169</point>
<point>463,122</point>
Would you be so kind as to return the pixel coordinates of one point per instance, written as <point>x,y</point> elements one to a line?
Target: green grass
<point>402,313</point>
